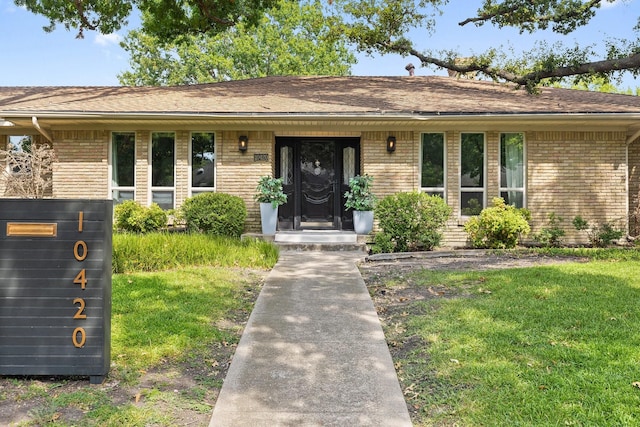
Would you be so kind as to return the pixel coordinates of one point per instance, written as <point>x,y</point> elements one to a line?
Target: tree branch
<point>503,12</point>
<point>529,80</point>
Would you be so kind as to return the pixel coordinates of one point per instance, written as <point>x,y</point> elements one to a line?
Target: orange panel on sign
<point>32,229</point>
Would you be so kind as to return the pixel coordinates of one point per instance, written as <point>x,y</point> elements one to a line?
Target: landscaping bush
<point>410,222</point>
<point>551,235</point>
<point>498,227</point>
<point>600,236</point>
<point>133,217</point>
<point>219,214</point>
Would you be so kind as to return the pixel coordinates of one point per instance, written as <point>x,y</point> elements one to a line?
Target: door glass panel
<point>317,182</point>
<point>348,164</point>
<point>286,165</point>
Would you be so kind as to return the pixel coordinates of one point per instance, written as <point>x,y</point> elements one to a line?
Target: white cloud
<point>108,39</point>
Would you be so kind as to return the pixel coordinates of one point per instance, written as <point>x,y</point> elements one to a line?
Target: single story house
<point>561,151</point>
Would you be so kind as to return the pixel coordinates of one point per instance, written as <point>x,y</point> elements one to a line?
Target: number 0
<point>76,250</point>
<point>83,337</point>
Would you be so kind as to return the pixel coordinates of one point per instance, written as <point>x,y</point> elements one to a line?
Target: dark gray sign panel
<point>55,287</point>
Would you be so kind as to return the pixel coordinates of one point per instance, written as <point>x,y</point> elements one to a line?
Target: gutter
<point>42,131</point>
<point>413,115</point>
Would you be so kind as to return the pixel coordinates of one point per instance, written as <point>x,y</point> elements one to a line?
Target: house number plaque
<point>55,287</point>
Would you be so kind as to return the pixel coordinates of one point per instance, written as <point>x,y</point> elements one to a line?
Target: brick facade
<point>82,169</point>
<point>568,173</point>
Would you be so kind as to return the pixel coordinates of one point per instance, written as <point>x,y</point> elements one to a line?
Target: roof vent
<point>410,68</point>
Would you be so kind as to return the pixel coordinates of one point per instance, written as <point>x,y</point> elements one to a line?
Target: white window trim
<point>482,189</point>
<point>444,154</point>
<point>524,168</point>
<point>215,165</point>
<point>150,167</point>
<point>111,187</point>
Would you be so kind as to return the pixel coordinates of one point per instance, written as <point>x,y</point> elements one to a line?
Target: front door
<point>317,184</point>
<point>315,174</point>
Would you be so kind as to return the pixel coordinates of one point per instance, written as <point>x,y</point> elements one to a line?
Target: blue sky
<point>31,57</point>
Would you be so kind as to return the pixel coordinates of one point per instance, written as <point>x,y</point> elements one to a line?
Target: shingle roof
<point>314,95</point>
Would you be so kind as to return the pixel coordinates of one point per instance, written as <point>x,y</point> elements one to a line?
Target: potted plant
<point>270,195</point>
<point>362,201</point>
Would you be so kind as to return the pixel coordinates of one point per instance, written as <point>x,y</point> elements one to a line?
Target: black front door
<point>315,173</point>
<point>317,184</point>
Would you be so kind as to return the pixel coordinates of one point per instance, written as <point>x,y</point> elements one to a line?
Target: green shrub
<point>133,217</point>
<point>219,214</point>
<point>410,222</point>
<point>498,227</point>
<point>551,235</point>
<point>600,236</point>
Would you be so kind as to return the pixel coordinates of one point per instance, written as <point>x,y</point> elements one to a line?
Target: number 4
<point>81,279</point>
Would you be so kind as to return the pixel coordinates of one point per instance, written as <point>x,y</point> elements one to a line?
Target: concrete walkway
<point>313,352</point>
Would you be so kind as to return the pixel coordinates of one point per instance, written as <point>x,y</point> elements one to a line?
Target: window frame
<point>434,190</point>
<point>112,187</point>
<point>162,189</point>
<point>483,188</point>
<point>197,190</point>
<point>522,189</point>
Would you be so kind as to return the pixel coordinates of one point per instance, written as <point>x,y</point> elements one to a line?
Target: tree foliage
<point>293,38</point>
<point>166,19</point>
<point>384,26</point>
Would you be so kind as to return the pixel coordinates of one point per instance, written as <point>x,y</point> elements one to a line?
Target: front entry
<point>315,174</point>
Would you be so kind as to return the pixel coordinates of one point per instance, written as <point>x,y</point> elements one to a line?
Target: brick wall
<point>142,179</point>
<point>81,170</point>
<point>238,173</point>
<point>576,173</point>
<point>634,188</point>
<point>568,173</point>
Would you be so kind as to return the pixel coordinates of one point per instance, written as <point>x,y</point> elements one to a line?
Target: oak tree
<point>293,38</point>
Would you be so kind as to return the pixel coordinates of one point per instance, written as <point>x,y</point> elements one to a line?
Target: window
<point>123,159</point>
<point>432,164</point>
<point>472,165</point>
<point>512,169</point>
<point>163,148</point>
<point>203,162</point>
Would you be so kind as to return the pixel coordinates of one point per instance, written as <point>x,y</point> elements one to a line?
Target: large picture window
<point>512,169</point>
<point>472,173</point>
<point>123,146</point>
<point>203,162</point>
<point>163,149</point>
<point>433,164</point>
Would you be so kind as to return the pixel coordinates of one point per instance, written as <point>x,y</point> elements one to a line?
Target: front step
<point>317,240</point>
<point>320,240</point>
<point>316,236</point>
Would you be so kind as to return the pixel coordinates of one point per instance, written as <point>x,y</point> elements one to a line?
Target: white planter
<point>269,218</point>
<point>363,222</point>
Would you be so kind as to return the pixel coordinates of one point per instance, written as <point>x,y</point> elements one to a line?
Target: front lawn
<point>548,345</point>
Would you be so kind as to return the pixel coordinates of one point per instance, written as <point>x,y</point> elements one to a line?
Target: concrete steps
<point>317,240</point>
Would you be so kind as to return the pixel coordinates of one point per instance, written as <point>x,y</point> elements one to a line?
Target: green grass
<point>163,321</point>
<point>544,346</point>
<point>171,314</point>
<point>164,251</point>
